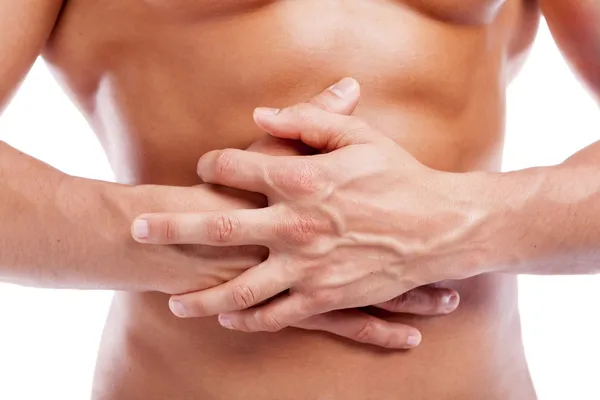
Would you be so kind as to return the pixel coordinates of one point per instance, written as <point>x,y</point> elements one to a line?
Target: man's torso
<point>162,82</point>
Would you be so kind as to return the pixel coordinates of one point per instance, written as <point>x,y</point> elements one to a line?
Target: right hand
<point>353,324</point>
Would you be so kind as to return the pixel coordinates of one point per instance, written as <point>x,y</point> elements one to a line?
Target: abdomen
<point>161,88</point>
<point>472,354</point>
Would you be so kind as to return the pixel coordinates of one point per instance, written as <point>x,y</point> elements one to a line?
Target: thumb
<point>340,98</point>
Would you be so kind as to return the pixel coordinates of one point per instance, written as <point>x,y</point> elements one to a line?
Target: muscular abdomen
<point>163,82</point>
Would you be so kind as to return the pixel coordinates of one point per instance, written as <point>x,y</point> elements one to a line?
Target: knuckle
<point>168,230</point>
<point>224,165</point>
<point>242,326</point>
<point>304,179</point>
<point>299,179</point>
<point>243,296</point>
<point>300,229</point>
<point>366,333</point>
<point>269,322</point>
<point>222,228</point>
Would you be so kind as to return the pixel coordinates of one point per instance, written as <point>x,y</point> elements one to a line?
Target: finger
<point>238,169</point>
<point>273,316</point>
<point>364,328</point>
<point>423,301</point>
<point>315,127</point>
<point>340,98</point>
<point>280,147</point>
<point>252,287</point>
<point>217,228</point>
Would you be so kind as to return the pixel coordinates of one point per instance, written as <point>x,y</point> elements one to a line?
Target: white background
<point>48,339</point>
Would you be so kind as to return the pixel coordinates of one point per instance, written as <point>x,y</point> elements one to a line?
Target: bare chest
<point>91,34</point>
<point>139,68</point>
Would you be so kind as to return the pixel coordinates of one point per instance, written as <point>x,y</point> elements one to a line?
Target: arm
<point>557,207</point>
<point>65,232</point>
<point>25,27</point>
<point>61,231</point>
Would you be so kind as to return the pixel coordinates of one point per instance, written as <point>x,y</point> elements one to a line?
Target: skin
<point>316,228</point>
<point>164,82</point>
<point>101,254</point>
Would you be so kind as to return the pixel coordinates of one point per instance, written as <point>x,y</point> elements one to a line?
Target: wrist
<point>124,263</point>
<point>493,209</point>
<point>515,226</point>
<point>88,237</point>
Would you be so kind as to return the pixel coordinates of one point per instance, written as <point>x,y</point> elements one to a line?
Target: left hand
<point>358,226</point>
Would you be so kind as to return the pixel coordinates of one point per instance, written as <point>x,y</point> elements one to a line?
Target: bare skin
<point>163,82</point>
<point>326,210</point>
<point>67,232</point>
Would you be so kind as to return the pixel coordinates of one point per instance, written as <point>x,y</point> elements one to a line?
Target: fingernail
<point>177,308</point>
<point>413,341</point>
<point>449,302</point>
<point>344,88</point>
<point>140,229</point>
<point>225,322</point>
<point>266,112</point>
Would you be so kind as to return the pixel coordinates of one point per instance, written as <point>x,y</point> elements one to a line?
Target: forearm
<point>546,220</point>
<point>62,231</point>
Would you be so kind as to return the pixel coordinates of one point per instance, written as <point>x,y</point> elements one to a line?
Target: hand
<point>315,238</point>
